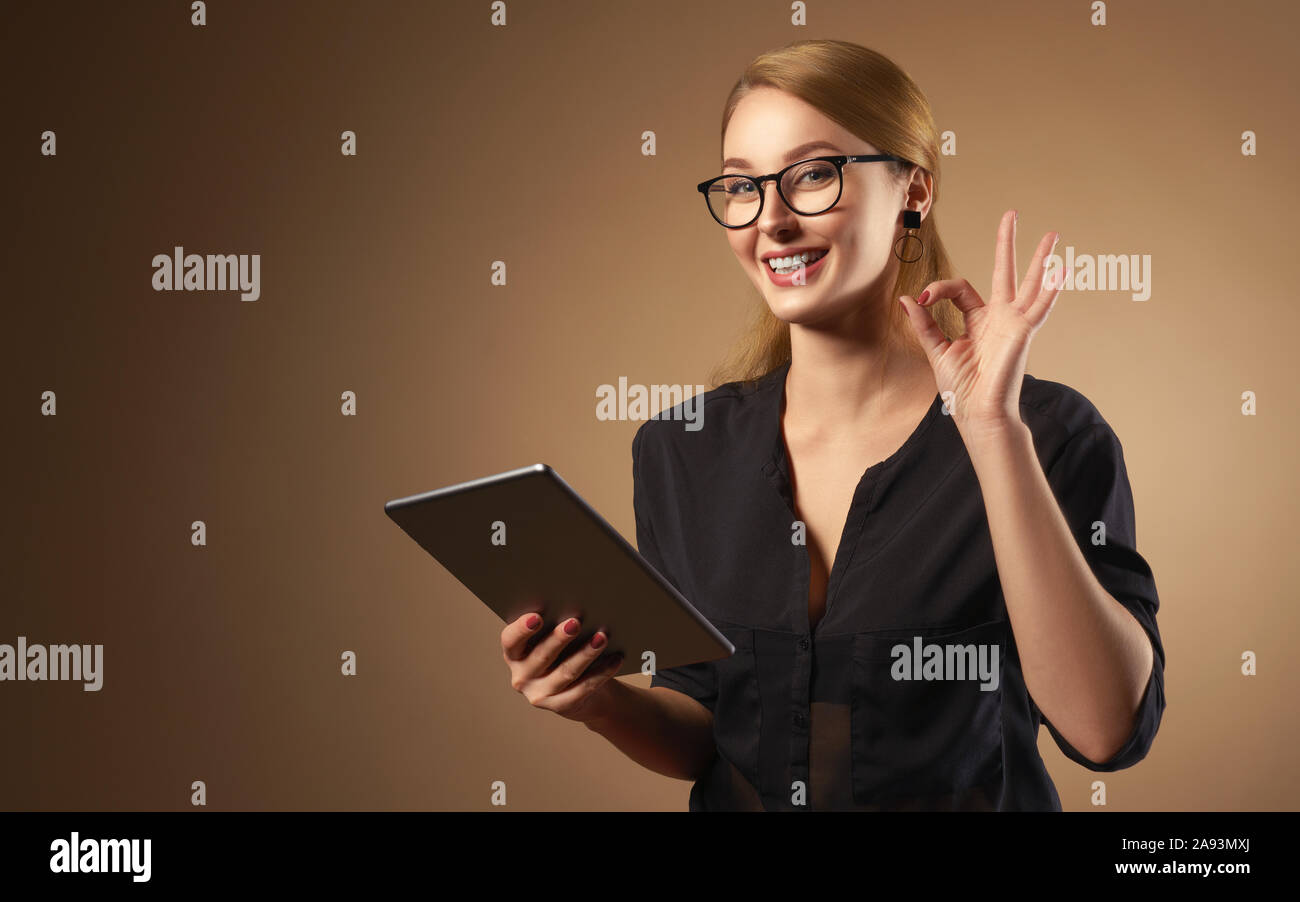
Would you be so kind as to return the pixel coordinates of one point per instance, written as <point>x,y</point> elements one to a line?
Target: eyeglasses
<point>808,187</point>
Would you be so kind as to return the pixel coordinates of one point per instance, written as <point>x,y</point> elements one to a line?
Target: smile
<point>787,265</point>
<point>795,269</point>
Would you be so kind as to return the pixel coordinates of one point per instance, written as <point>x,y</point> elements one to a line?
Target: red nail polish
<point>532,622</point>
<point>572,627</point>
<point>924,295</point>
<point>598,640</point>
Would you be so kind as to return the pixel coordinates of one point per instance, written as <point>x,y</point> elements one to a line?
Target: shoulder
<point>710,422</point>
<point>1058,403</point>
<point>1058,415</point>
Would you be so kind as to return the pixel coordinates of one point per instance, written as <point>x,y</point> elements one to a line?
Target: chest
<point>824,477</point>
<point>915,552</point>
<point>822,486</point>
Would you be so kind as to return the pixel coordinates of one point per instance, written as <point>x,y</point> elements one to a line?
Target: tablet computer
<point>525,541</point>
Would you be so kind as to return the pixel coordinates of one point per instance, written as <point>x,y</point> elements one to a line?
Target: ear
<point>919,191</point>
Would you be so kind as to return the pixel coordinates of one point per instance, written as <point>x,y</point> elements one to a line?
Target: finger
<point>959,291</point>
<point>595,677</point>
<point>1004,261</point>
<point>1032,286</point>
<point>572,667</point>
<point>543,655</point>
<point>1046,300</point>
<point>517,634</point>
<point>932,339</point>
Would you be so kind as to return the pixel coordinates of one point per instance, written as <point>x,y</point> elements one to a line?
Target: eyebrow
<point>794,154</point>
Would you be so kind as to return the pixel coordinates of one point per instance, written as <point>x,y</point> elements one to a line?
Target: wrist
<point>600,710</point>
<point>995,437</point>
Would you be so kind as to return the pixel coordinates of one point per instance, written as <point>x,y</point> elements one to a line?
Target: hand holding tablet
<point>567,688</point>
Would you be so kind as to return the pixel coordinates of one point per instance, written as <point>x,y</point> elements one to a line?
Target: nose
<point>776,215</point>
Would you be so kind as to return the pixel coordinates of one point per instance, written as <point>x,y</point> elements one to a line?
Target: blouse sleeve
<point>1091,485</point>
<point>699,681</point>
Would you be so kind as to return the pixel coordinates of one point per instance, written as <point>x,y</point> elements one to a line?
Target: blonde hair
<point>868,94</point>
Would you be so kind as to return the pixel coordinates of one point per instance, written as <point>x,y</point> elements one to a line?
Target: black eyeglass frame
<point>838,161</point>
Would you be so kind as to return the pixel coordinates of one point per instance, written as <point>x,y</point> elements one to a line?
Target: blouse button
<point>799,720</point>
<point>803,644</point>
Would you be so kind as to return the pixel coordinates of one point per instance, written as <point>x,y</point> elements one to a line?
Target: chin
<point>801,311</point>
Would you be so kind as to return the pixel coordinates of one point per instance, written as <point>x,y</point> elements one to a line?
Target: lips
<point>804,273</point>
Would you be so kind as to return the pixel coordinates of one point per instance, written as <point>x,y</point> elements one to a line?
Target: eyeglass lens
<point>809,188</point>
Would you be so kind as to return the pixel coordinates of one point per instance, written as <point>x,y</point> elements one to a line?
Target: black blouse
<point>816,719</point>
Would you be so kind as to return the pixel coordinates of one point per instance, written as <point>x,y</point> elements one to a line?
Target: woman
<point>919,551</point>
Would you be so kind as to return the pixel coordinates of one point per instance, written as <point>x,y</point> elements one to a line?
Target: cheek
<point>744,251</point>
<point>865,253</point>
<point>741,246</point>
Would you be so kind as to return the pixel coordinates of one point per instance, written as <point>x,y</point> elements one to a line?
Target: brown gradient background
<point>221,663</point>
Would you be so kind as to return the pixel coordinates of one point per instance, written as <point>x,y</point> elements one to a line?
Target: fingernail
<point>924,295</point>
<point>571,627</point>
<point>1015,216</point>
<point>532,622</point>
<point>598,640</point>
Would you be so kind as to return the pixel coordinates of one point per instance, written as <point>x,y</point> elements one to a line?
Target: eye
<point>813,175</point>
<point>738,187</point>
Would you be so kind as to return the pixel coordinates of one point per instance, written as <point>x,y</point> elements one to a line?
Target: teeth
<point>785,265</point>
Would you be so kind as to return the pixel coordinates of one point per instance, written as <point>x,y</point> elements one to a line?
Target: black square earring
<point>913,247</point>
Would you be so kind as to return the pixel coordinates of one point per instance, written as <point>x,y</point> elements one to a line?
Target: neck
<point>846,379</point>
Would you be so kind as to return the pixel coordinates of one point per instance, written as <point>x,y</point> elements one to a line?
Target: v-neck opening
<point>850,531</point>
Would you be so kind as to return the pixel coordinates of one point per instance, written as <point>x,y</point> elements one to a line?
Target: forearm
<point>658,728</point>
<point>1086,660</point>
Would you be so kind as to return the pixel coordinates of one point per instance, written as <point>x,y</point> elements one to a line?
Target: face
<point>857,235</point>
